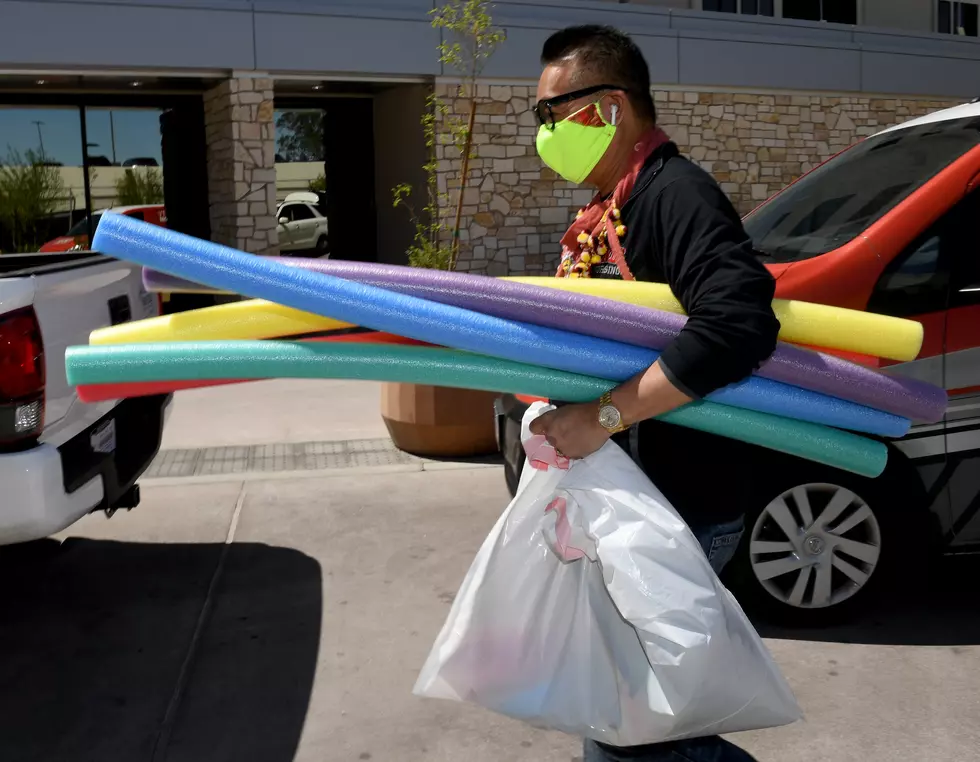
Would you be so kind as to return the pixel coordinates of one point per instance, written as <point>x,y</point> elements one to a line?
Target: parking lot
<point>278,607</point>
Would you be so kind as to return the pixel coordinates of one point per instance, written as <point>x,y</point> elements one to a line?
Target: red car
<point>889,226</point>
<point>76,239</point>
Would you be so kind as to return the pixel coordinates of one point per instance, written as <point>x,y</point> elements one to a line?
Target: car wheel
<point>820,545</point>
<point>512,475</point>
<point>322,247</point>
<point>512,451</point>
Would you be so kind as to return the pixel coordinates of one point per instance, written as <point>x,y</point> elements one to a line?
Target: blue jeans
<point>719,543</point>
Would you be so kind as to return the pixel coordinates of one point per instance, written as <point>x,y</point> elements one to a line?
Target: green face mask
<point>574,146</point>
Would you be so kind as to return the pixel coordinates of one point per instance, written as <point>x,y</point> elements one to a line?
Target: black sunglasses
<point>543,109</point>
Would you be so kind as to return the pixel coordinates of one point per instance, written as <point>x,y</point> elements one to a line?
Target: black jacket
<point>682,230</point>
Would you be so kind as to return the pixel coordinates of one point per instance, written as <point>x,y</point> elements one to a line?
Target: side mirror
<point>283,220</point>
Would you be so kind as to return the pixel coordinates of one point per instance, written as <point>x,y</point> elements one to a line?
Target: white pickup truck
<point>61,459</point>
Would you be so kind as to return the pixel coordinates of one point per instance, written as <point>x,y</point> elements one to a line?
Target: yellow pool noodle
<point>816,325</point>
<point>251,319</point>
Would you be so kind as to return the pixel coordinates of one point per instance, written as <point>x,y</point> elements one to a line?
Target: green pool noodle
<point>210,360</point>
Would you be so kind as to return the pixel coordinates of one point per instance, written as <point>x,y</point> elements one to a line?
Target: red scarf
<point>596,234</point>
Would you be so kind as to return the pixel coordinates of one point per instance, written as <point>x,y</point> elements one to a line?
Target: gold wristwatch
<point>609,416</point>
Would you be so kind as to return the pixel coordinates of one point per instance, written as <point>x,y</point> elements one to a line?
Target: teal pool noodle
<point>209,360</point>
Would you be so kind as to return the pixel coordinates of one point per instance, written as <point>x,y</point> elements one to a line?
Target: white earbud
<point>614,109</point>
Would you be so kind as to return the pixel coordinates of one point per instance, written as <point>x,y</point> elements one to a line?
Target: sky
<point>137,133</point>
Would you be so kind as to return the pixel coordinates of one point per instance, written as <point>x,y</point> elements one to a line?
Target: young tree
<point>469,39</point>
<point>472,40</point>
<point>138,186</point>
<point>318,184</point>
<point>30,190</point>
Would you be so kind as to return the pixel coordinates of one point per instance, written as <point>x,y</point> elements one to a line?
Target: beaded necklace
<point>597,233</point>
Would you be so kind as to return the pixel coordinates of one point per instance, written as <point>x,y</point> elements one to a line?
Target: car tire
<point>322,247</point>
<point>855,538</point>
<point>512,451</point>
<point>512,475</point>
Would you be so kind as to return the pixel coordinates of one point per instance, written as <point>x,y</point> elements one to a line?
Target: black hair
<point>609,55</point>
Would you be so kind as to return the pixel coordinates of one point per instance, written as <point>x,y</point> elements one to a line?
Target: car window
<point>302,212</point>
<point>966,266</point>
<point>918,281</point>
<point>838,200</point>
<point>287,212</point>
<point>81,227</point>
<point>137,216</point>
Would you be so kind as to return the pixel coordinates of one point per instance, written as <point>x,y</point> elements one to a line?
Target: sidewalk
<point>282,429</point>
<point>272,412</point>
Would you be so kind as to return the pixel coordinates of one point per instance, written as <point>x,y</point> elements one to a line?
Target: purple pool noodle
<point>616,321</point>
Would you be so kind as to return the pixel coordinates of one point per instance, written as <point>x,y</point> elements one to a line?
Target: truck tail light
<point>21,379</point>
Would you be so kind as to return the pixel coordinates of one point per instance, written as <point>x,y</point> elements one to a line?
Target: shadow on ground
<point>95,638</point>
<point>491,459</point>
<point>941,611</point>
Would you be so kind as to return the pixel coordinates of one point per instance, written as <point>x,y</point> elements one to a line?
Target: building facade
<point>756,91</point>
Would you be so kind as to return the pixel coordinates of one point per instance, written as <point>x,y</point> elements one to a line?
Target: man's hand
<point>573,430</point>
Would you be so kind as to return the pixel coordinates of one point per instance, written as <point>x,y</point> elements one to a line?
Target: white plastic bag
<point>592,609</point>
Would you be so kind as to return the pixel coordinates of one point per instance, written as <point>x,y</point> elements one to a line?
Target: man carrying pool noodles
<point>656,217</point>
<point>434,323</point>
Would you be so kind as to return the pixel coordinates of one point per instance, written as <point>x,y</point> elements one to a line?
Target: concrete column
<point>241,139</point>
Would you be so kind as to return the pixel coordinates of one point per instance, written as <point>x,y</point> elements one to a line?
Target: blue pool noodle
<point>370,307</point>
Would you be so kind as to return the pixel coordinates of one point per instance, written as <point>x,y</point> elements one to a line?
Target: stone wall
<point>241,164</point>
<point>516,209</point>
<point>756,144</point>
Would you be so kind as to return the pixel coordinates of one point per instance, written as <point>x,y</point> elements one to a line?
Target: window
<point>747,7</point>
<point>81,227</point>
<point>966,264</point>
<point>917,281</point>
<point>831,11</point>
<point>956,18</point>
<point>114,135</point>
<point>302,212</point>
<point>300,150</point>
<point>838,200</point>
<point>296,212</point>
<point>59,164</point>
<point>42,188</point>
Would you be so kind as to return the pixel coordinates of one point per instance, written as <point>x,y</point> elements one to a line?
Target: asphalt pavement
<point>284,613</point>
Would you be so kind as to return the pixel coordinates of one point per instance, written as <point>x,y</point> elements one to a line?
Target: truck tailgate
<point>72,300</point>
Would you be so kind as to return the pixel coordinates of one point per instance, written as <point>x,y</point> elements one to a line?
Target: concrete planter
<point>434,421</point>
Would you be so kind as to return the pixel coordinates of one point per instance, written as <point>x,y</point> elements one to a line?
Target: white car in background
<point>302,228</point>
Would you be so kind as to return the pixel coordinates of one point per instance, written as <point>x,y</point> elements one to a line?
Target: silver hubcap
<point>815,546</point>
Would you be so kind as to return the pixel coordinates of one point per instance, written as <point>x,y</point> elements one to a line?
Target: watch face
<point>609,417</point>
